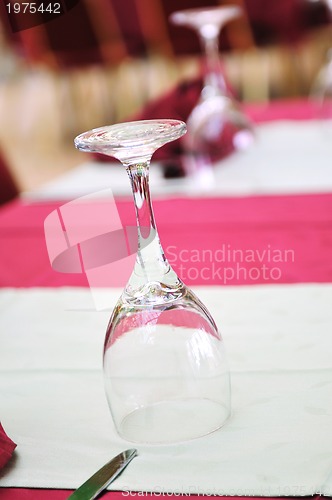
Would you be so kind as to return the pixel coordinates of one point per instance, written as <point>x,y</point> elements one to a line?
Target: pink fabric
<point>294,109</point>
<point>261,225</point>
<point>7,447</point>
<point>25,494</point>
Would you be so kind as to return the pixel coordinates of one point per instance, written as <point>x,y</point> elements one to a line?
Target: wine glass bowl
<point>165,368</point>
<point>218,127</point>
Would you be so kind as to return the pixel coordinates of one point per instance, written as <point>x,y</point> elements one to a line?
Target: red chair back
<point>8,187</point>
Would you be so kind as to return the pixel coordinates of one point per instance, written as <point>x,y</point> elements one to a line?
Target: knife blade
<point>102,478</point>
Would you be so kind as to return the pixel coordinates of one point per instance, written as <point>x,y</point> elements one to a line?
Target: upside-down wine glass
<point>165,369</point>
<point>321,91</point>
<point>216,125</point>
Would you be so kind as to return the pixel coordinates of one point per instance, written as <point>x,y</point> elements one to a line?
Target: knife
<point>102,478</point>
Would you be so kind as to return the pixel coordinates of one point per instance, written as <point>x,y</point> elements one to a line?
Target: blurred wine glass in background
<point>321,90</point>
<point>216,125</point>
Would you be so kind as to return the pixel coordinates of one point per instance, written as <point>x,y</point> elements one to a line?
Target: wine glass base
<point>178,420</point>
<point>130,142</point>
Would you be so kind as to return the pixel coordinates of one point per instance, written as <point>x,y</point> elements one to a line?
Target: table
<point>297,225</point>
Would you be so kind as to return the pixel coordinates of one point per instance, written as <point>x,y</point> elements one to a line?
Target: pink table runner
<point>235,241</point>
<point>283,110</point>
<point>25,494</point>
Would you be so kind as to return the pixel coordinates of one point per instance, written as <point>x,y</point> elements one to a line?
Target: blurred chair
<point>282,32</point>
<point>107,58</point>
<point>8,187</point>
<point>65,59</point>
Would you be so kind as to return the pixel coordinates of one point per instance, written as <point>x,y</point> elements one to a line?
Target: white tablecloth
<point>277,442</point>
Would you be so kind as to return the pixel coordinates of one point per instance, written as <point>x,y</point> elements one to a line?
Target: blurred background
<point>102,61</point>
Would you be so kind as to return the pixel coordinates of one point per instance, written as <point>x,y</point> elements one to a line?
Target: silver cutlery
<point>105,476</point>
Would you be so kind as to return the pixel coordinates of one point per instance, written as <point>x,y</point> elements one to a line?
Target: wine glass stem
<point>214,81</point>
<point>151,260</point>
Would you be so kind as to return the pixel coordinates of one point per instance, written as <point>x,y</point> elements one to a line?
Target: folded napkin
<point>177,104</point>
<point>7,447</point>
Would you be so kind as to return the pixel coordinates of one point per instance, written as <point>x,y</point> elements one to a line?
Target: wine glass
<point>216,125</point>
<point>321,92</point>
<point>165,369</point>
<point>321,89</point>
